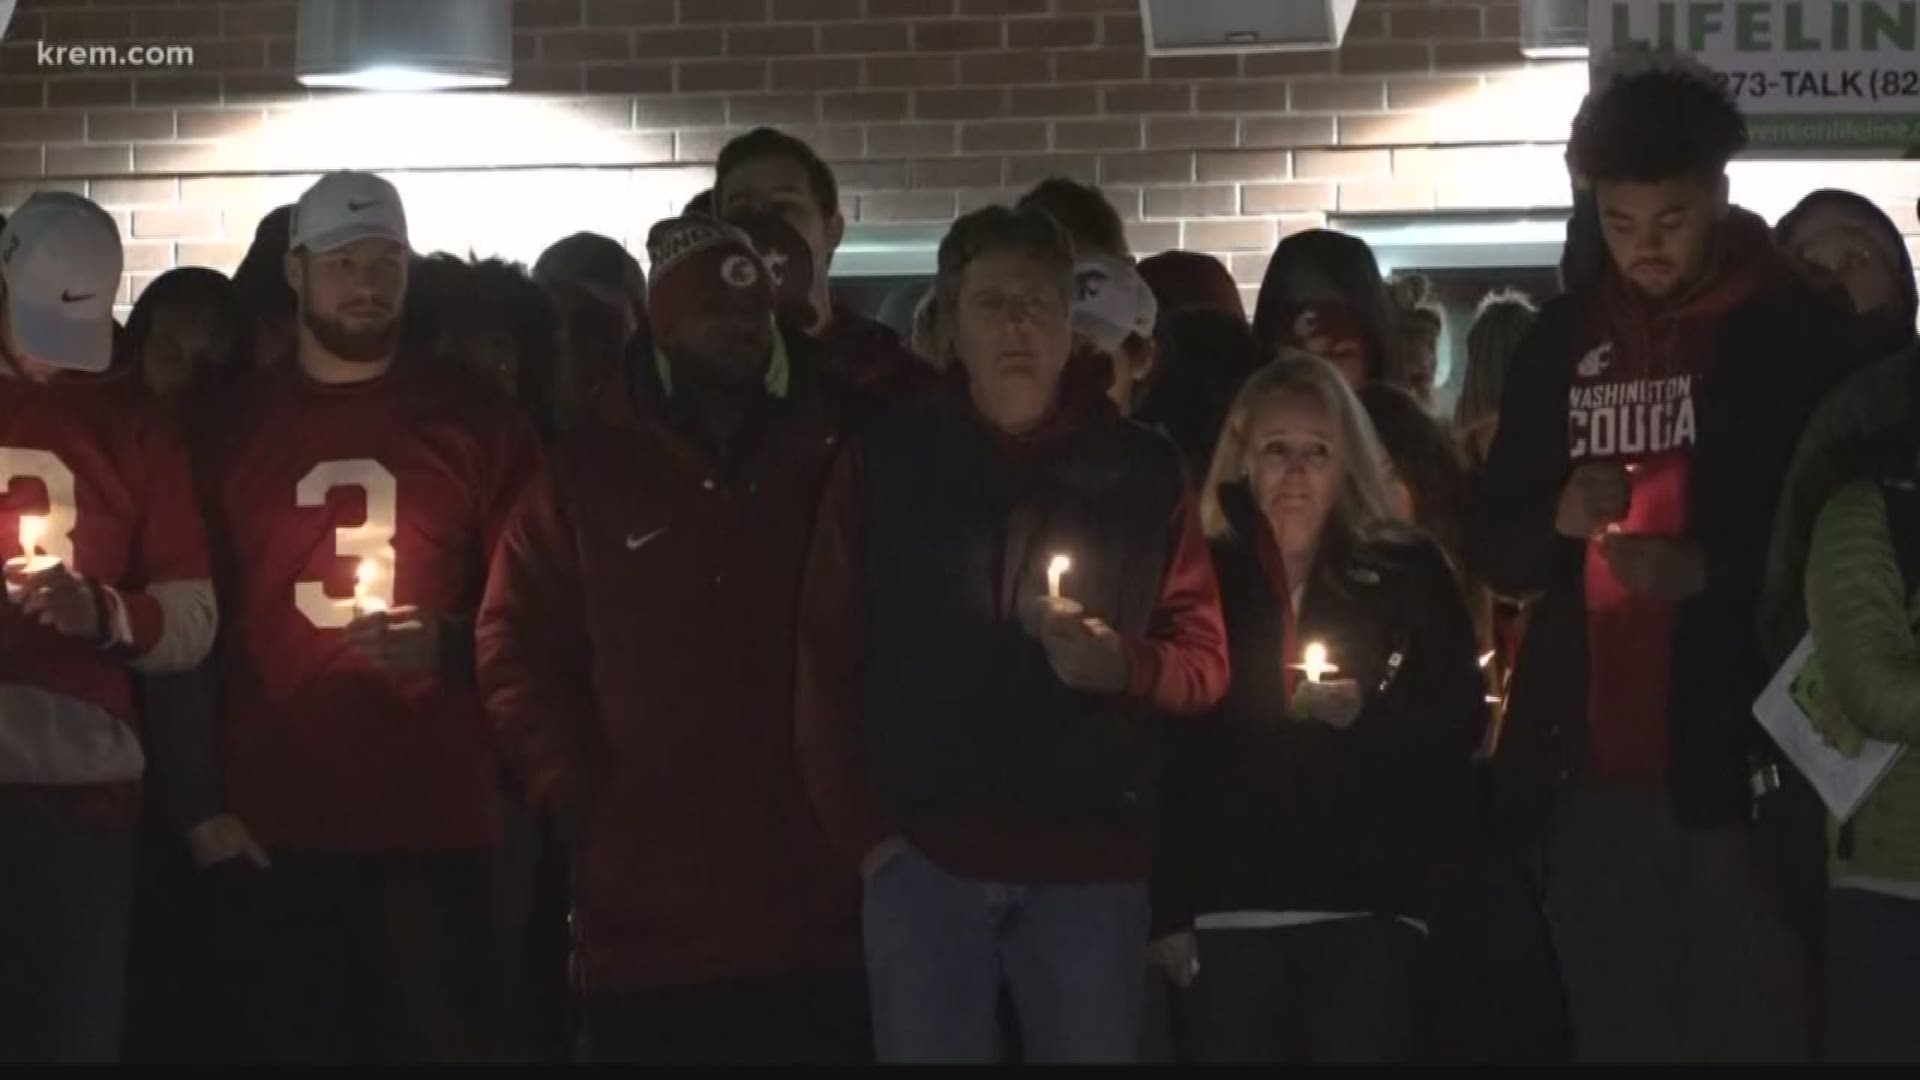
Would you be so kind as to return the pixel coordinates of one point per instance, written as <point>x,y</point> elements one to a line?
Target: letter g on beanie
<point>704,266</point>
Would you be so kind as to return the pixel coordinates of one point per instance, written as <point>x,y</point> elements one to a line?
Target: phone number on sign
<point>1863,85</point>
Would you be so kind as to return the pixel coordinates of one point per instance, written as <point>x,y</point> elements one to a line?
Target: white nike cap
<point>342,207</point>
<point>1112,302</point>
<point>61,258</point>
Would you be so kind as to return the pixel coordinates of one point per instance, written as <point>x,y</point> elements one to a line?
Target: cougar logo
<point>1595,362</point>
<point>739,272</point>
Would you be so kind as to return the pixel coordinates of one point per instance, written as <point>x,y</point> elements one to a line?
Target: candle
<point>31,563</point>
<point>1316,665</point>
<point>364,602</point>
<point>1485,659</point>
<point>1055,571</point>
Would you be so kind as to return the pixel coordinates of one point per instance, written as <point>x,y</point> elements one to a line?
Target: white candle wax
<point>1055,571</point>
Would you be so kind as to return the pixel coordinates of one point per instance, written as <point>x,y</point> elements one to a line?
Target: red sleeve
<point>1180,666</point>
<point>533,651</point>
<point>517,458</point>
<point>827,694</point>
<point>174,577</point>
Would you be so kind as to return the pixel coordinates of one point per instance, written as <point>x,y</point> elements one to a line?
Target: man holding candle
<point>112,574</point>
<point>1647,427</point>
<point>984,751</point>
<point>636,653</point>
<point>356,499</point>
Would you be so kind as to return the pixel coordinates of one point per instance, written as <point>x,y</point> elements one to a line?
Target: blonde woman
<point>1498,328</point>
<point>1306,829</point>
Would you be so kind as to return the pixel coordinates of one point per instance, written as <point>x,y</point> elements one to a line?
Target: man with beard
<point>636,655</point>
<point>355,502</point>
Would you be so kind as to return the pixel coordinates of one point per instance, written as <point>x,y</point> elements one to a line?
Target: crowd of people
<point>422,658</point>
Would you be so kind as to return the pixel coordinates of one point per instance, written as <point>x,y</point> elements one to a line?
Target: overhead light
<point>1205,27</point>
<point>414,46</point>
<point>1553,29</point>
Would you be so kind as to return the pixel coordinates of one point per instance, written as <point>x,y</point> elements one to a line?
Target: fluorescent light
<point>400,80</point>
<point>1554,52</point>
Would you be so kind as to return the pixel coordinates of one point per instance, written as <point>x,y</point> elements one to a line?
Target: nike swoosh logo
<point>356,207</point>
<point>69,298</point>
<point>635,543</point>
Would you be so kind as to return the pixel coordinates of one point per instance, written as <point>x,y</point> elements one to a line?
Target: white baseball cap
<point>61,257</point>
<point>342,207</point>
<point>1111,302</point>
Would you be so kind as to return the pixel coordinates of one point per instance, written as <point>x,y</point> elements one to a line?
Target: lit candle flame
<point>1486,659</point>
<point>32,529</point>
<point>1055,571</point>
<point>1316,664</point>
<point>364,578</point>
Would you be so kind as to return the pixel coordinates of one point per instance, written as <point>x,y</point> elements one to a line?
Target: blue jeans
<point>1873,978</point>
<point>1073,958</point>
<point>66,898</point>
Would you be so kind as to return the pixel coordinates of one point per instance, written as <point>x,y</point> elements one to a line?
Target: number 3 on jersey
<point>17,465</point>
<point>373,540</point>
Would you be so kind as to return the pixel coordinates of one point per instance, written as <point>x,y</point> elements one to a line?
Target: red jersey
<point>107,474</point>
<point>416,472</point>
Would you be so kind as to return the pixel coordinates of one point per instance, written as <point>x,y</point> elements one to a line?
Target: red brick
<point>1175,68</point>
<point>89,91</point>
<point>20,58</point>
<point>1392,129</point>
<point>817,10</point>
<point>1098,66</point>
<point>31,127</point>
<point>177,90</point>
<point>670,112</point>
<point>677,44</point>
<point>911,140</point>
<point>1242,235</point>
<point>279,85</point>
<point>174,224</point>
<point>1006,68</point>
<point>1040,101</point>
<point>816,75</point>
<point>23,93</point>
<point>959,104</point>
<point>574,46</point>
<point>908,206</point>
<point>865,39</point>
<point>1244,97</point>
<point>723,12</point>
<point>694,76</point>
<point>958,35</point>
<point>1096,135</point>
<point>1374,196</point>
<point>979,172</point>
<point>1271,65</point>
<point>88,160</point>
<point>702,145</point>
<point>526,47</point>
<point>129,125</point>
<point>1192,133</point>
<point>865,107</point>
<point>628,13</point>
<point>972,199</point>
<point>1122,31</point>
<point>25,161</point>
<point>1250,165</point>
<point>909,9</point>
<point>1367,24</point>
<point>1342,164</point>
<point>872,176</point>
<point>1004,137</point>
<point>1502,24</point>
<point>1026,170</point>
<point>1286,132</point>
<point>1460,23</point>
<point>1156,168</point>
<point>74,27</point>
<point>218,123</point>
<point>243,55</point>
<point>264,20</point>
<point>771,41</point>
<point>173,23</point>
<point>773,110</point>
<point>1431,93</point>
<point>834,142</point>
<point>1148,98</point>
<point>540,14</point>
<point>220,256</point>
<point>625,79</point>
<point>1003,7</point>
<point>1285,198</point>
<point>119,194</point>
<point>1337,95</point>
<point>1052,33</point>
<point>913,71</point>
<point>181,157</point>
<point>281,54</point>
<point>154,256</point>
<point>1183,202</point>
<point>1456,56</point>
<point>1081,7</point>
<point>1385,60</point>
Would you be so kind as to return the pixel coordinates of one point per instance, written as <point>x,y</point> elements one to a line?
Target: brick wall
<point>927,107</point>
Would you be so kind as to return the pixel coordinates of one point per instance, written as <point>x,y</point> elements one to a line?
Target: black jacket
<point>1269,812</point>
<point>1777,355</point>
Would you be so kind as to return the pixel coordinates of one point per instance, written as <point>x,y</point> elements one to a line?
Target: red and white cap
<point>342,207</point>
<point>61,258</point>
<point>1111,302</point>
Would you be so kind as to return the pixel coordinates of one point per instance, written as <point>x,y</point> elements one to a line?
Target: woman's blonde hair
<point>1498,328</point>
<point>1362,511</point>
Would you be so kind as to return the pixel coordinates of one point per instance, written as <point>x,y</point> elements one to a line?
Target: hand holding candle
<point>1315,663</point>
<point>364,580</point>
<point>31,564</point>
<point>1334,702</point>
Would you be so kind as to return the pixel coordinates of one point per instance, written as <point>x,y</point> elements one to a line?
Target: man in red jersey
<point>113,575</point>
<point>355,503</point>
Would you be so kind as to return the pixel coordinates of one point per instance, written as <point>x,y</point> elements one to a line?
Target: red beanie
<point>1188,279</point>
<point>789,260</point>
<point>703,265</point>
